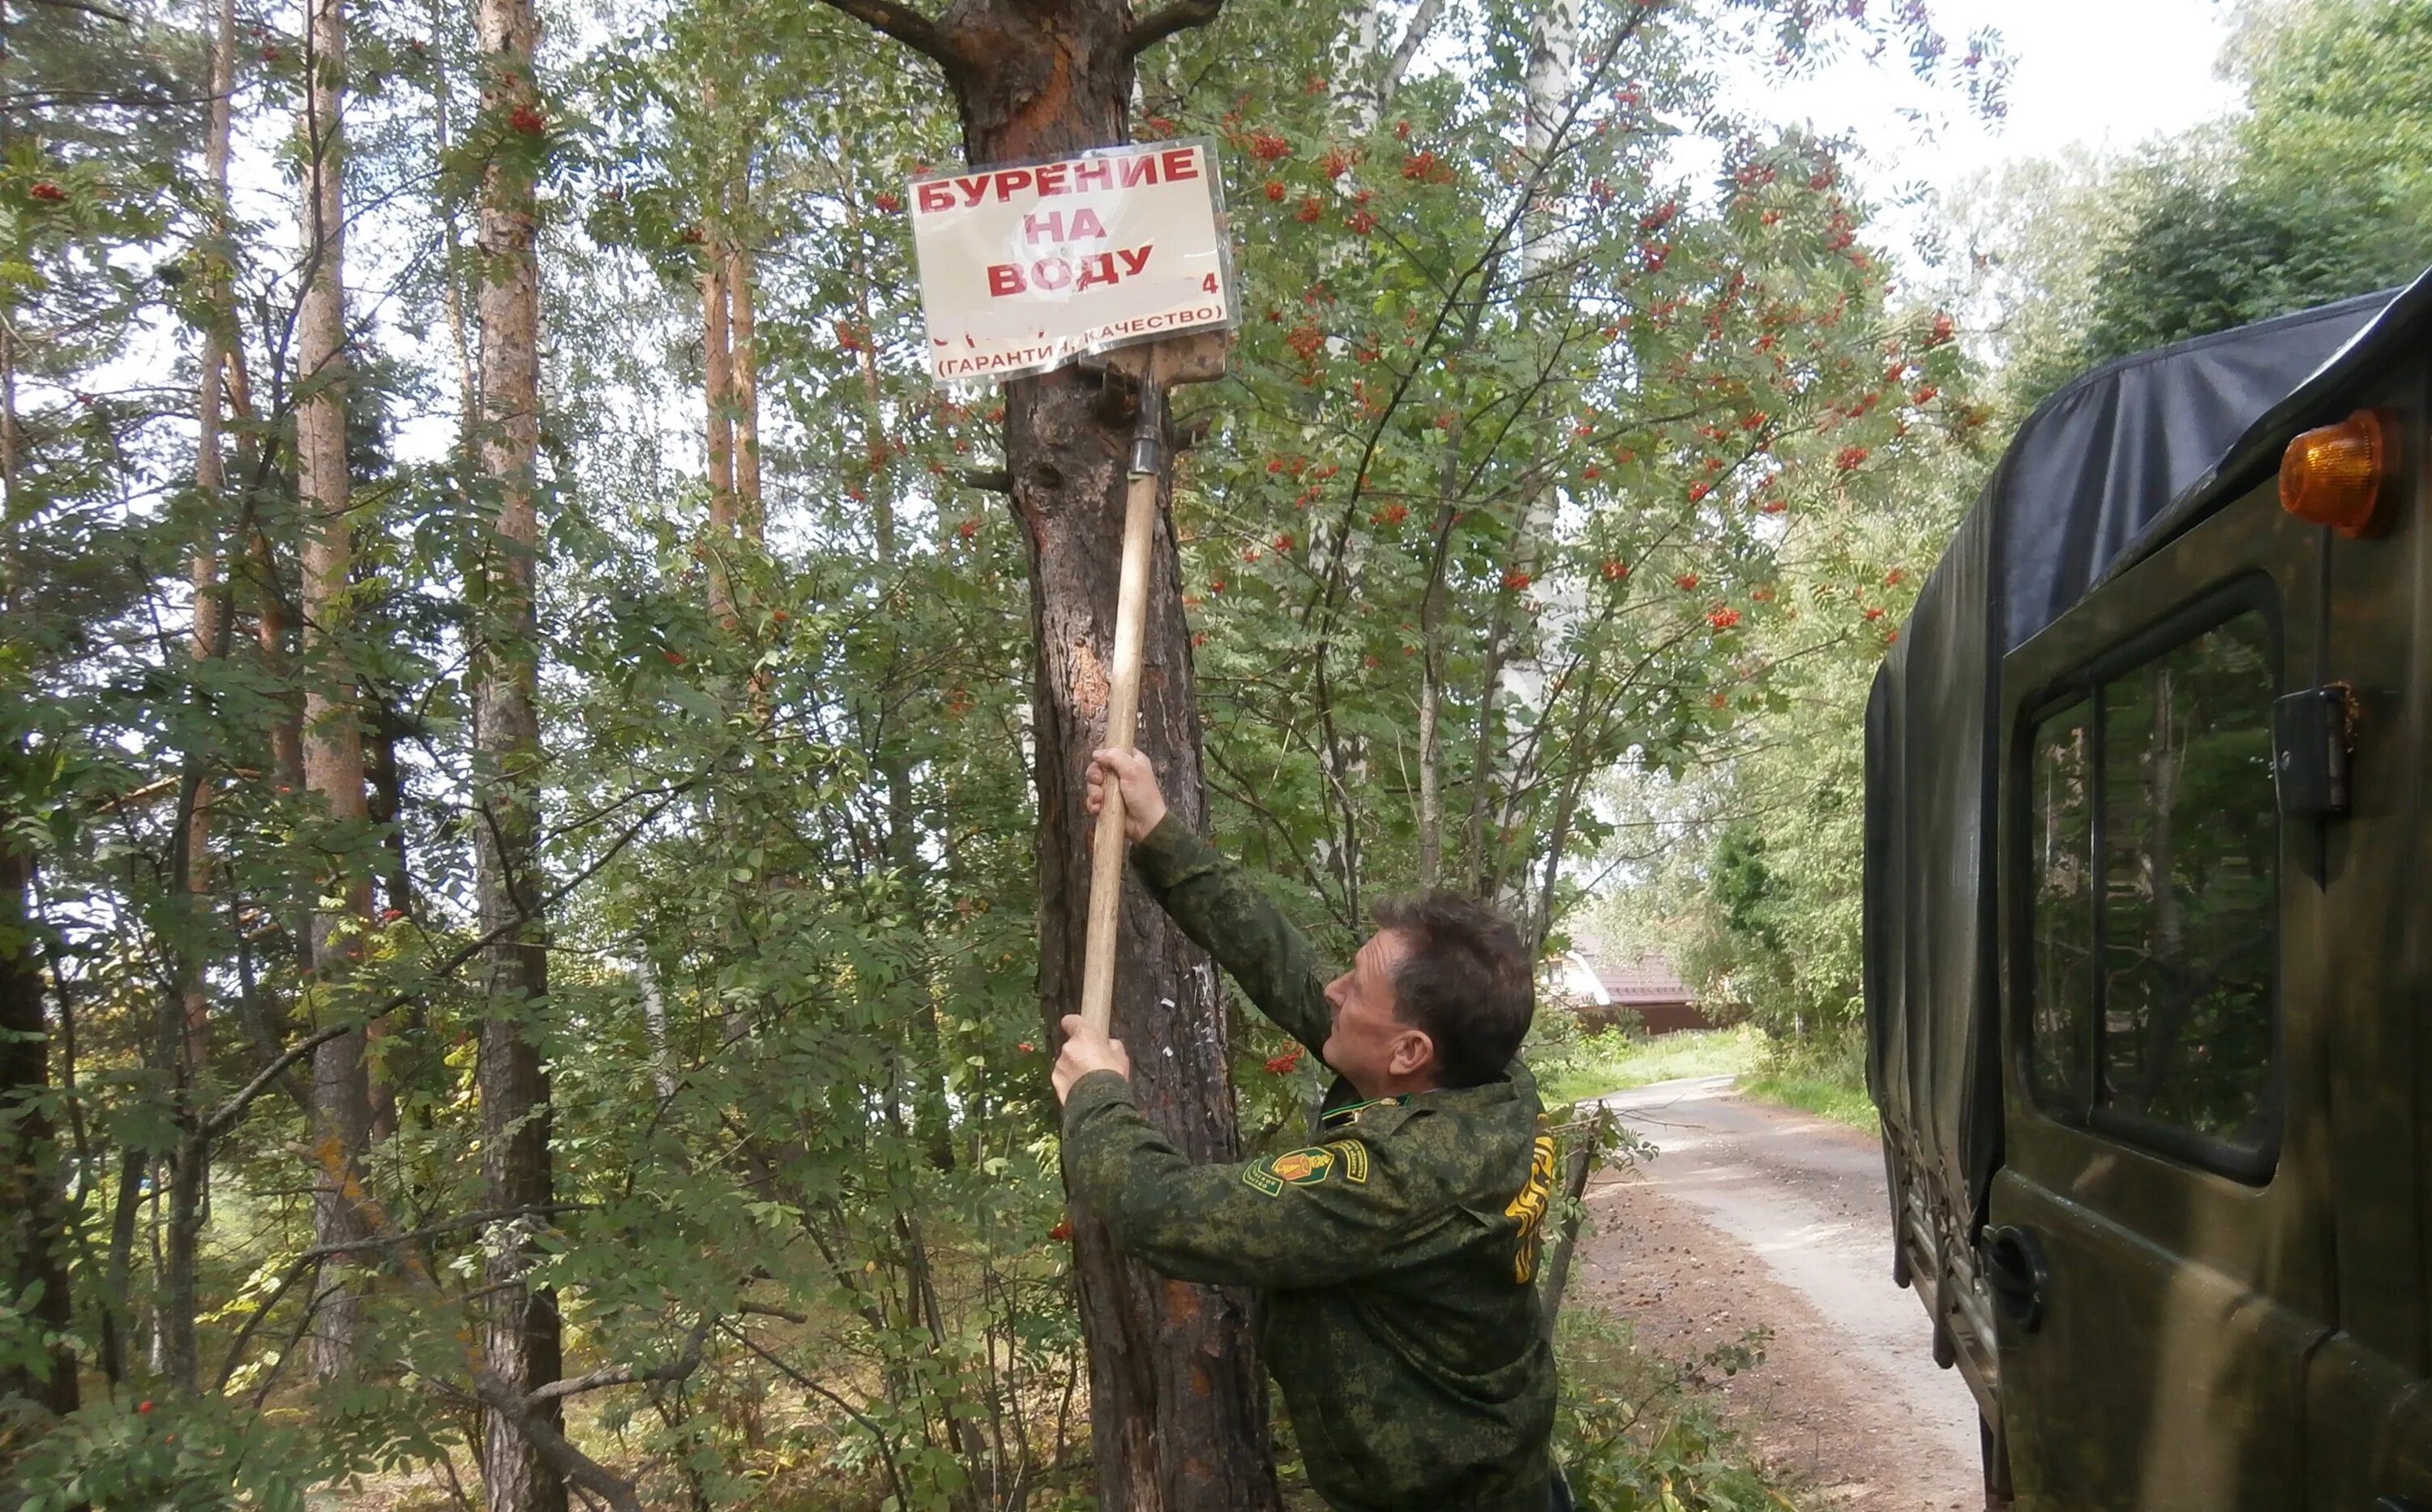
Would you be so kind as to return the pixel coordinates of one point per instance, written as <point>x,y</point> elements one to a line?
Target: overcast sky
<point>2102,72</point>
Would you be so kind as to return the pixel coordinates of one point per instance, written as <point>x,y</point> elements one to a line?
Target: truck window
<point>2155,899</point>
<point>2062,1031</point>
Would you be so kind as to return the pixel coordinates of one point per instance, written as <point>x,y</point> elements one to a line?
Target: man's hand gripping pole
<point>1122,700</point>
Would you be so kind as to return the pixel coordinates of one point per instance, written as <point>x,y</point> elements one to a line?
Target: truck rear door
<point>2160,1240</point>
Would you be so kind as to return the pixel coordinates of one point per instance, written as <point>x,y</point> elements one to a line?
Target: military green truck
<point>2149,930</point>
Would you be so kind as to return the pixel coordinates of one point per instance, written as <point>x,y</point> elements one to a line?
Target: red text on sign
<point>1172,167</point>
<point>1050,274</point>
<point>1048,226</point>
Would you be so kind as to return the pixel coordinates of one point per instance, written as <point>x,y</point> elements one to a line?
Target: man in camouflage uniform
<point>1396,1257</point>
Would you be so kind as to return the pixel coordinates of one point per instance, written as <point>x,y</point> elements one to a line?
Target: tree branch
<point>577,1466</point>
<point>1399,64</point>
<point>229,1112</point>
<point>626,1375</point>
<point>1181,16</point>
<point>105,12</point>
<point>906,25</point>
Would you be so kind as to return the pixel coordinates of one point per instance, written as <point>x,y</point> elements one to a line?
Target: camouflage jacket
<point>1394,1258</point>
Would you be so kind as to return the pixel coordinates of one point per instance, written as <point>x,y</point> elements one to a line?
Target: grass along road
<point>1824,1077</point>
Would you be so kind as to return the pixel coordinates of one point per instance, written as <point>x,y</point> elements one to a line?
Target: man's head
<point>1441,995</point>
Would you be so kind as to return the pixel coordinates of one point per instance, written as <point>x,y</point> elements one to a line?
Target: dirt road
<point>1751,1215</point>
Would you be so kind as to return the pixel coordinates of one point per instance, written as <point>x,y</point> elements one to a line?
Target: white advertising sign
<point>1024,268</point>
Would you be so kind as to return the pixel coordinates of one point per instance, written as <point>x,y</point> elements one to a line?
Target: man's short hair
<point>1463,979</point>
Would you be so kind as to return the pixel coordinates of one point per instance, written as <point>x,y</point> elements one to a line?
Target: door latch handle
<point>2015,1270</point>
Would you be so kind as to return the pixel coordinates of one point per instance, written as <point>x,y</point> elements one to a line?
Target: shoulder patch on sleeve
<point>1527,1209</point>
<point>1313,1167</point>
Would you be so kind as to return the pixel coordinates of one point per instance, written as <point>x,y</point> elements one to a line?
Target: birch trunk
<point>743,378</point>
<point>1514,678</point>
<point>522,1339</point>
<point>718,396</point>
<point>333,754</point>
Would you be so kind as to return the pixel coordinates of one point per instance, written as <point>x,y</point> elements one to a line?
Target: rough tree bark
<point>1177,1408</point>
<point>904,829</point>
<point>267,592</point>
<point>33,1222</point>
<point>33,1229</point>
<point>186,1043</point>
<point>209,484</point>
<point>521,1342</point>
<point>333,751</point>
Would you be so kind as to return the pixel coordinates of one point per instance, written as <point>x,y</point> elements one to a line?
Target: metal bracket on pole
<point>1148,435</point>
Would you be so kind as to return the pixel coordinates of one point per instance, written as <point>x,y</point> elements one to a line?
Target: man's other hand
<point>1086,1049</point>
<point>1143,806</point>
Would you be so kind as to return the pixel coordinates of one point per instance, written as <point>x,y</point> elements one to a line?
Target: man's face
<point>1377,1052</point>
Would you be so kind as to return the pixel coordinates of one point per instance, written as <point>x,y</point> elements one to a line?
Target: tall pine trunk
<point>211,487</point>
<point>521,1337</point>
<point>333,751</point>
<point>33,1227</point>
<point>268,592</point>
<point>33,1223</point>
<point>1177,1403</point>
<point>190,1168</point>
<point>903,829</point>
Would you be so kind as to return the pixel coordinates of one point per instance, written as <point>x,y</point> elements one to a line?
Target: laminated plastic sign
<point>1026,267</point>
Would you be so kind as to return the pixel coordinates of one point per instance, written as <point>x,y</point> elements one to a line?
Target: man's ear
<point>1414,1051</point>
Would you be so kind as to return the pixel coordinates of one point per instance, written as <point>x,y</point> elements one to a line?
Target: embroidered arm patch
<point>1309,1167</point>
<point>1528,1208</point>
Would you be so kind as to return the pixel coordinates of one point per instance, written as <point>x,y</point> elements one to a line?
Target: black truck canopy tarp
<point>2102,459</point>
<point>2119,460</point>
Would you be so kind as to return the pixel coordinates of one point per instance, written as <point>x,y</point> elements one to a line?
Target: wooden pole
<point>1122,700</point>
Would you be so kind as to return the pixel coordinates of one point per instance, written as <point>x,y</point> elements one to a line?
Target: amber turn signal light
<point>2334,475</point>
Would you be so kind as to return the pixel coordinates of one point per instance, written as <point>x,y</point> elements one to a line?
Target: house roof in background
<point>1649,978</point>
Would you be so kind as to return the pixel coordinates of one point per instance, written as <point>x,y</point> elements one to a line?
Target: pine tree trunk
<point>903,833</point>
<point>33,1229</point>
<point>521,1340</point>
<point>333,752</point>
<point>33,1226</point>
<point>1177,1402</point>
<point>270,629</point>
<point>189,1168</point>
